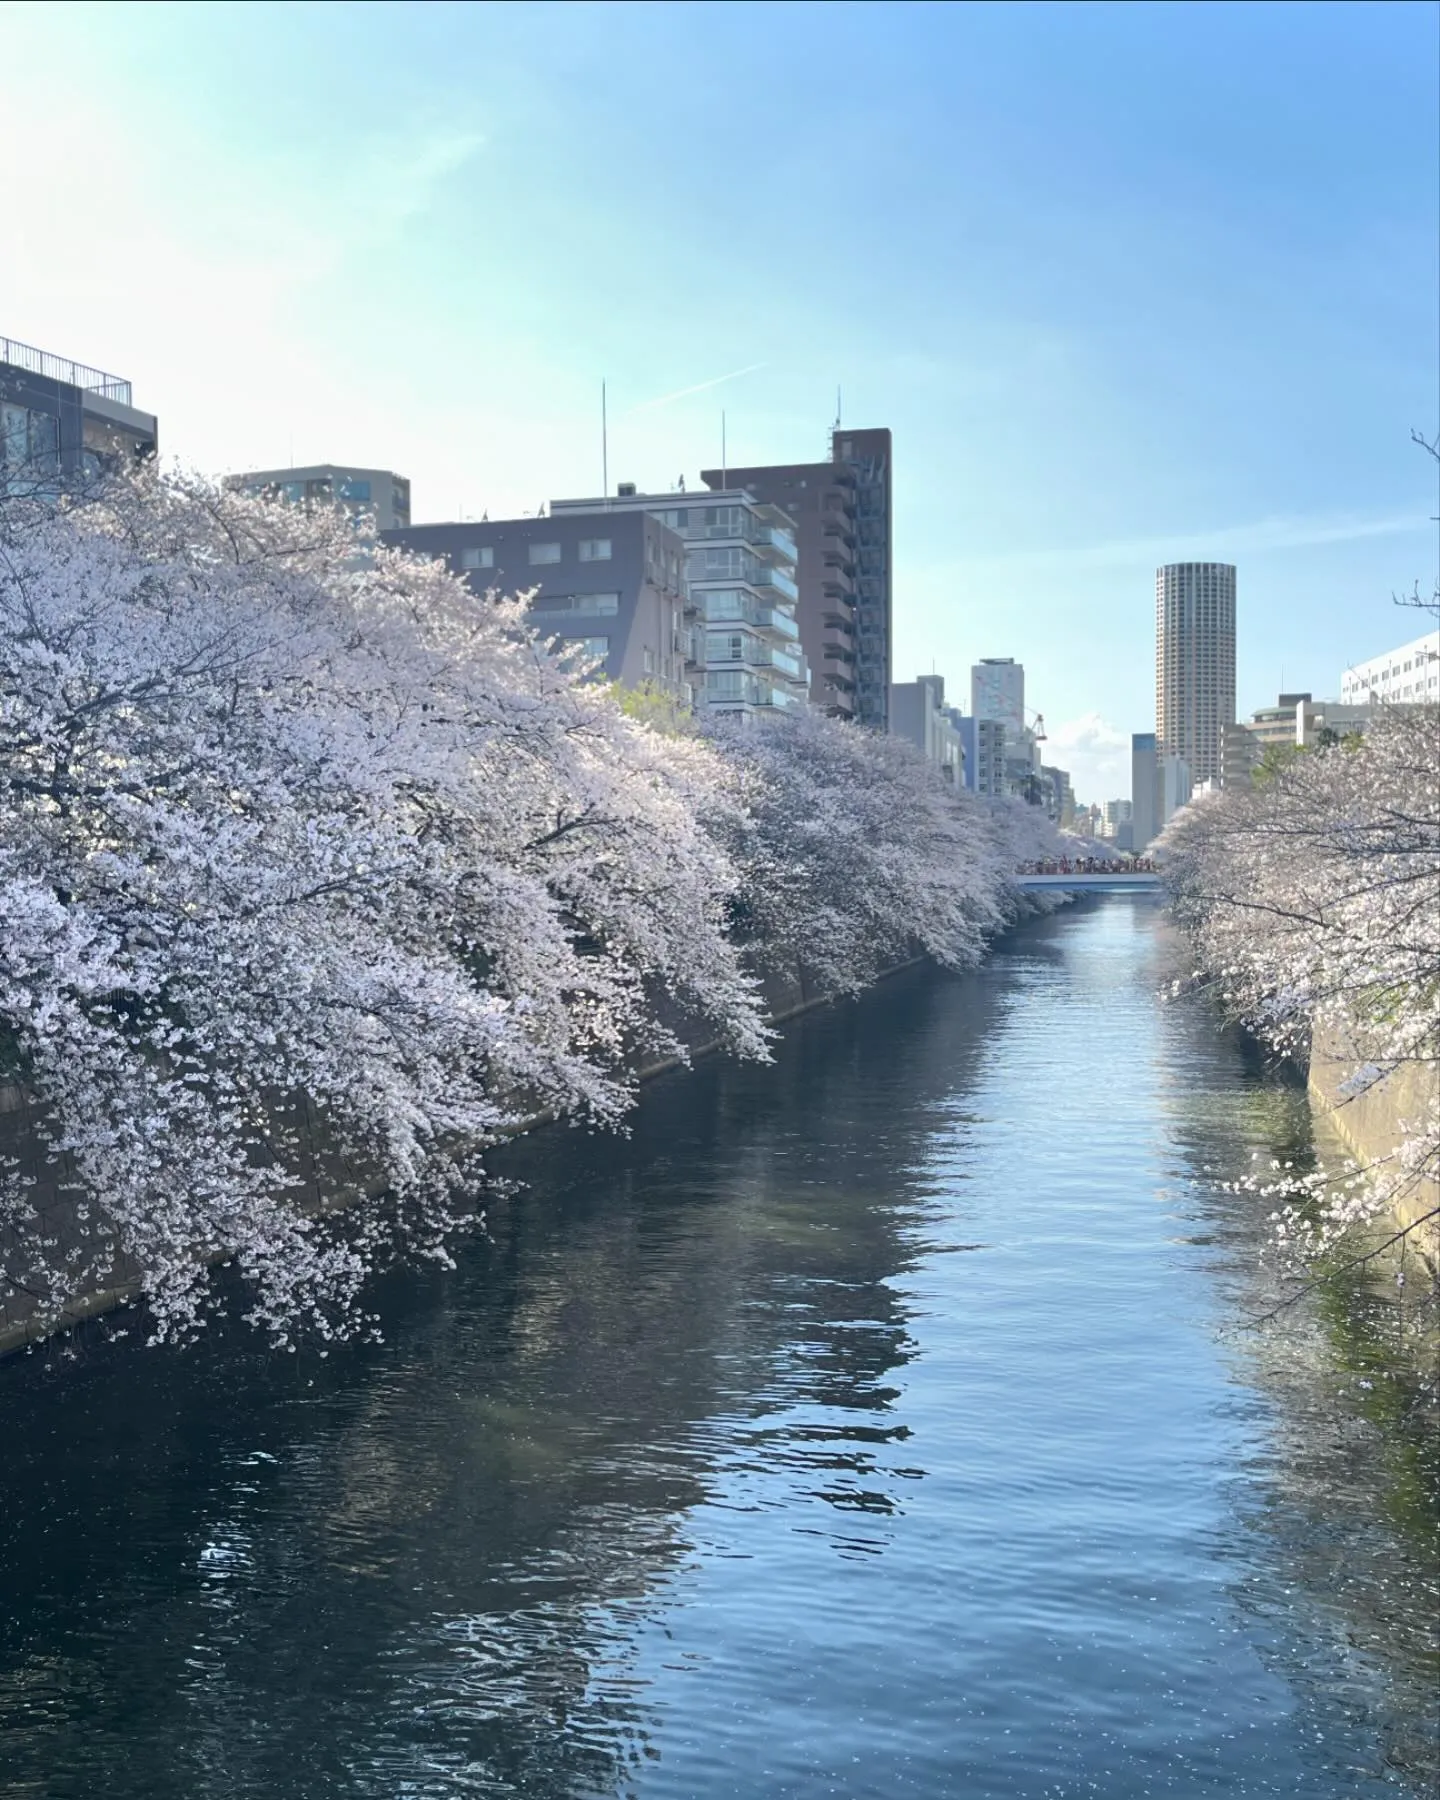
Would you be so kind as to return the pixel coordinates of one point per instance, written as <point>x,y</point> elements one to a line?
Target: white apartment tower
<point>1195,663</point>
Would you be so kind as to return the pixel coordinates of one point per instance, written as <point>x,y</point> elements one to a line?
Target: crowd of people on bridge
<point>1090,865</point>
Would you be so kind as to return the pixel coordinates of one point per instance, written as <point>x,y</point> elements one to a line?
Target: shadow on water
<point>737,1457</point>
<point>233,1573</point>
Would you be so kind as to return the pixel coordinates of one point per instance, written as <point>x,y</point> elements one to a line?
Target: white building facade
<point>1409,676</point>
<point>918,713</point>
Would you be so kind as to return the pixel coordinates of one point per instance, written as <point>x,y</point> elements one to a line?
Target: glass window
<point>14,435</point>
<point>544,553</point>
<point>44,440</point>
<point>594,549</point>
<point>599,606</point>
<point>354,490</point>
<point>479,556</point>
<point>590,646</point>
<point>649,662</point>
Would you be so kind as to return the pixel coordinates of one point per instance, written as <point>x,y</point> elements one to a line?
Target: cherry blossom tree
<point>290,823</point>
<point>303,851</point>
<point>855,853</point>
<point>1314,900</point>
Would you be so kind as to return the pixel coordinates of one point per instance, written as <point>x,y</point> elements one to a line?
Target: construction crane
<point>1039,727</point>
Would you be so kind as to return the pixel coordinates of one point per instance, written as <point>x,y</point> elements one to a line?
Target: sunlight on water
<point>885,1422</point>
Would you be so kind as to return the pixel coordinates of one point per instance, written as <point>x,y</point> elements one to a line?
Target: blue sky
<point>1128,283</point>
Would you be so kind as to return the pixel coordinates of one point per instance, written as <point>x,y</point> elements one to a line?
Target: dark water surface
<point>880,1424</point>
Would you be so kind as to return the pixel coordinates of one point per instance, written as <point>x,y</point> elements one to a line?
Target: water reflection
<point>860,1425</point>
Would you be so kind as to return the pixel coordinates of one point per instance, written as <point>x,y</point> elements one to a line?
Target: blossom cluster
<point>302,843</point>
<point>1313,904</point>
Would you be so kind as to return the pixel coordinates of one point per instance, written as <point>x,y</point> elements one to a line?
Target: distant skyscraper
<point>1145,818</point>
<point>1195,663</point>
<point>997,691</point>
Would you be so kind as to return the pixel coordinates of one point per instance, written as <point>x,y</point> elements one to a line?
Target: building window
<point>648,660</point>
<point>589,646</point>
<point>598,606</point>
<point>594,549</point>
<point>28,440</point>
<point>480,556</point>
<point>544,553</point>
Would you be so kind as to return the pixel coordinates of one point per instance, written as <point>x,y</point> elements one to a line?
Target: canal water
<point>891,1421</point>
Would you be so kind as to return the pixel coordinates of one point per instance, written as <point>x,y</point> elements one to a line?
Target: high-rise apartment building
<point>378,494</point>
<point>1195,663</point>
<point>843,515</point>
<point>739,575</point>
<point>62,421</point>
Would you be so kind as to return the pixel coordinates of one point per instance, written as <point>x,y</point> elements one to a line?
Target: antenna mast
<point>604,447</point>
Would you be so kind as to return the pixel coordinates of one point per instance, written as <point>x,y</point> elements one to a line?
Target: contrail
<point>699,388</point>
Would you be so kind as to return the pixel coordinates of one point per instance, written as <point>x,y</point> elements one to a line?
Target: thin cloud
<point>699,388</point>
<point>1294,533</point>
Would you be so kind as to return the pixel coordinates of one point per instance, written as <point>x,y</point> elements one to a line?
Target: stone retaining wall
<point>1368,1123</point>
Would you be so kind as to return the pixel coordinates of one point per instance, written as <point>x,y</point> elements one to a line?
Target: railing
<point>60,368</point>
<point>777,579</point>
<point>1090,865</point>
<point>771,618</point>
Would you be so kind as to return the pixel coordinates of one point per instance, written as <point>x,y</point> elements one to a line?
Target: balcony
<point>732,687</point>
<point>836,556</point>
<point>775,541</point>
<point>725,606</point>
<point>778,580</point>
<point>770,618</point>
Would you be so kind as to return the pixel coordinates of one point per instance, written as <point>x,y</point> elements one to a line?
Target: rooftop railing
<point>61,368</point>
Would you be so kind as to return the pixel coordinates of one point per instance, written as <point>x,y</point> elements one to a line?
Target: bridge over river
<point>1114,881</point>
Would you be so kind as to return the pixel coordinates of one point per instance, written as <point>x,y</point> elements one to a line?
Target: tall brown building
<point>842,511</point>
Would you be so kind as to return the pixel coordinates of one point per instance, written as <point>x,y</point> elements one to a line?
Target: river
<point>889,1421</point>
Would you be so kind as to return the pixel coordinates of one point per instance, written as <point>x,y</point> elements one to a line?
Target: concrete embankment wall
<point>1369,1123</point>
<point>323,1172</point>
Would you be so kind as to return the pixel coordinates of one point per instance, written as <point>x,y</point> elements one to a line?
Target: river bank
<point>321,1171</point>
<point>1370,1124</point>
<point>900,1419</point>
